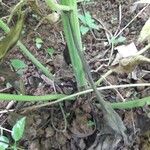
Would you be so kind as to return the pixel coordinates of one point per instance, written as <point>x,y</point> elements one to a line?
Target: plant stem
<point>103,77</point>
<point>57,7</point>
<point>132,103</point>
<point>114,105</point>
<point>29,98</point>
<point>73,52</point>
<point>25,51</point>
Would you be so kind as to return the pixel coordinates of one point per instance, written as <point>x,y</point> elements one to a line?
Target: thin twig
<point>116,91</point>
<point>132,20</point>
<point>1,128</point>
<point>120,17</point>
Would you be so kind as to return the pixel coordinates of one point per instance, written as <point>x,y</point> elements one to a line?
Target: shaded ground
<point>45,127</point>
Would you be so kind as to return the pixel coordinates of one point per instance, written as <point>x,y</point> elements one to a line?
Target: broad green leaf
<point>12,37</point>
<point>84,29</point>
<point>4,142</point>
<point>18,129</point>
<point>38,42</point>
<point>145,32</point>
<point>18,64</point>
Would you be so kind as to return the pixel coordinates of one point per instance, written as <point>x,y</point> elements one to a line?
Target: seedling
<point>18,64</point>
<point>38,42</point>
<point>88,23</point>
<point>73,39</point>
<point>50,51</point>
<point>16,134</point>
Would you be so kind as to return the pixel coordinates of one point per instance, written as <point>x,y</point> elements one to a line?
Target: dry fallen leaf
<point>124,51</point>
<point>127,50</point>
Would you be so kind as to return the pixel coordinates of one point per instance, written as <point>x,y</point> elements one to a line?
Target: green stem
<point>28,98</point>
<point>26,52</point>
<point>57,7</point>
<point>73,52</point>
<point>117,105</point>
<point>70,97</point>
<point>132,103</point>
<point>103,77</point>
<point>60,98</point>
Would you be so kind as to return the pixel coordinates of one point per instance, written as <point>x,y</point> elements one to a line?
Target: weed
<point>16,134</point>
<point>88,23</point>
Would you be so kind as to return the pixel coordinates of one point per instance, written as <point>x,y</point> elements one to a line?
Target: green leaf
<point>82,18</point>
<point>18,64</point>
<point>18,129</point>
<point>87,20</point>
<point>91,123</point>
<point>50,51</point>
<point>84,29</point>
<point>118,40</point>
<point>4,142</point>
<point>38,42</point>
<point>121,39</point>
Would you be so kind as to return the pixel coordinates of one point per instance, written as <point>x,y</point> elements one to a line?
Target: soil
<point>47,128</point>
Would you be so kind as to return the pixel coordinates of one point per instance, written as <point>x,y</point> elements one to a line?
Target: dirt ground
<point>47,128</point>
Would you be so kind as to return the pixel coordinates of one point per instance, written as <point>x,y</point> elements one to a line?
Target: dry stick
<point>112,119</point>
<point>132,20</point>
<point>9,105</point>
<point>122,98</point>
<point>112,44</point>
<point>120,17</point>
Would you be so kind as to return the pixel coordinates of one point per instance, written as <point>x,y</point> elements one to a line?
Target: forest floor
<point>46,127</point>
